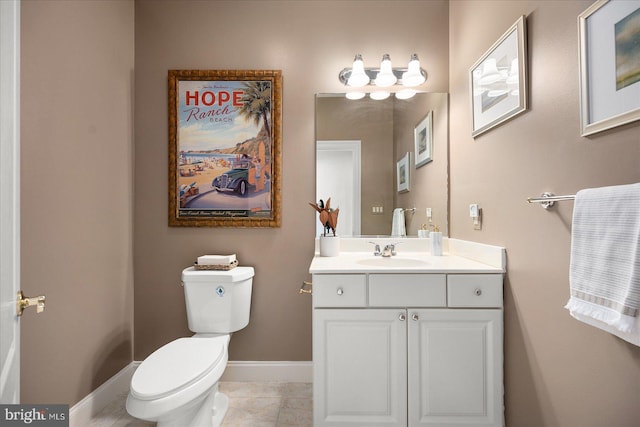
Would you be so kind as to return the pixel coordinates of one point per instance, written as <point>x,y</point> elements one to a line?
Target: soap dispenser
<point>435,242</point>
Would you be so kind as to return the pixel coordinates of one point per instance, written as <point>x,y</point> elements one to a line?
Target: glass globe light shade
<point>355,95</point>
<point>385,76</point>
<point>378,96</point>
<point>358,77</point>
<point>405,94</point>
<point>413,76</point>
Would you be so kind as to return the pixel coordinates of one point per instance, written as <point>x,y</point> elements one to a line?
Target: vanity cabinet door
<point>360,367</point>
<point>455,367</point>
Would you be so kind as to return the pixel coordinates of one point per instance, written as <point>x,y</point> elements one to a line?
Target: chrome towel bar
<point>547,199</point>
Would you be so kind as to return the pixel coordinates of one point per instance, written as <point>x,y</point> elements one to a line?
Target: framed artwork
<point>225,148</point>
<point>498,80</point>
<point>423,140</point>
<point>402,173</point>
<point>609,65</point>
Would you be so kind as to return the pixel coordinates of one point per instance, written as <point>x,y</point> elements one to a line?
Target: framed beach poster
<point>609,65</point>
<point>225,148</point>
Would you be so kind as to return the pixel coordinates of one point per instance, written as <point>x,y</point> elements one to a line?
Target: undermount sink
<point>393,262</point>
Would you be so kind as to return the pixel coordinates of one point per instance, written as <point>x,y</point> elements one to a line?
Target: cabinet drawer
<point>474,290</point>
<point>339,290</point>
<point>407,290</point>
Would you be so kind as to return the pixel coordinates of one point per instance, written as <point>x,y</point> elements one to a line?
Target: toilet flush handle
<point>306,288</point>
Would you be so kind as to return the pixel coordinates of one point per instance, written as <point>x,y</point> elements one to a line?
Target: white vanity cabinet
<point>407,349</point>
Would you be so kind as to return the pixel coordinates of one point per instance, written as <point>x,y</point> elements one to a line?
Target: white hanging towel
<point>604,275</point>
<point>398,227</point>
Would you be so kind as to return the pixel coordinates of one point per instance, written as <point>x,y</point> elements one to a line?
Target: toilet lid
<point>176,365</point>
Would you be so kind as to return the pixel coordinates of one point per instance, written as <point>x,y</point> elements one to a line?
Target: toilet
<point>177,385</point>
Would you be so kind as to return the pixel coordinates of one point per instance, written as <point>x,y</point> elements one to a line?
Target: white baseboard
<point>294,372</point>
<point>81,413</point>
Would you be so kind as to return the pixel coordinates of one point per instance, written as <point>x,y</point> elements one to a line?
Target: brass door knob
<point>24,302</point>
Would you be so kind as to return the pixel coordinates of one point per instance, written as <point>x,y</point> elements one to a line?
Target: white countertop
<point>460,256</point>
<point>408,262</point>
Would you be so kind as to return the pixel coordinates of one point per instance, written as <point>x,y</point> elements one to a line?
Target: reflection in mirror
<point>358,145</point>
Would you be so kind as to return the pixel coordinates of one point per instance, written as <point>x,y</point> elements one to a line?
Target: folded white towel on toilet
<point>216,259</point>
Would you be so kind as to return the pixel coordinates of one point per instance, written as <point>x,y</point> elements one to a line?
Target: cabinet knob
<point>402,317</point>
<point>478,291</point>
<point>415,317</point>
<point>340,291</point>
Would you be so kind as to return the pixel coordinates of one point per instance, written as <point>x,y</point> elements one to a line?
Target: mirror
<point>358,146</point>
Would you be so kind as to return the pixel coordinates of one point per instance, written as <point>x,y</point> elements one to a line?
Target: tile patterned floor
<point>267,404</point>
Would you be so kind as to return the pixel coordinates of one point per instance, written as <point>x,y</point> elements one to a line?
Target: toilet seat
<point>178,365</point>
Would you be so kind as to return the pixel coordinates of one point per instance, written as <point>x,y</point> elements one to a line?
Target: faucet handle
<point>376,250</point>
<point>392,247</point>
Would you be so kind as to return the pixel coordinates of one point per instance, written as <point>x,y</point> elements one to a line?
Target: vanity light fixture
<point>385,75</point>
<point>405,94</point>
<point>358,77</point>
<point>355,95</point>
<point>413,76</point>
<point>379,96</point>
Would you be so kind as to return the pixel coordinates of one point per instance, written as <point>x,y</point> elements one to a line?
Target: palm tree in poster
<point>256,103</point>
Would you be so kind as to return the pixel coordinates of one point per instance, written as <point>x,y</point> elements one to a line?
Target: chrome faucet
<point>389,250</point>
<point>376,250</point>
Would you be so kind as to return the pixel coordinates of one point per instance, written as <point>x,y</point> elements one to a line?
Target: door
<point>9,201</point>
<point>455,367</point>
<point>360,367</point>
<point>338,166</point>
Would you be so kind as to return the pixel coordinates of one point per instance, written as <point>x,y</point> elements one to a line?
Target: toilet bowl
<point>177,385</point>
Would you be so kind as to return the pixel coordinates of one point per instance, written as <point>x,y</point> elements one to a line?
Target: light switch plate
<point>475,212</point>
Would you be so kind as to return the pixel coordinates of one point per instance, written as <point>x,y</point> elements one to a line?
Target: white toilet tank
<point>217,301</point>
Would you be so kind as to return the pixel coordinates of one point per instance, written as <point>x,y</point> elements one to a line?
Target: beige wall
<point>558,371</point>
<point>311,41</point>
<point>76,195</point>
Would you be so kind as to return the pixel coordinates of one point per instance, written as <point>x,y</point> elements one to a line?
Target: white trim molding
<point>81,413</point>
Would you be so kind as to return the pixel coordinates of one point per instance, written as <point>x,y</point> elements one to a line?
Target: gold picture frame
<point>225,148</point>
